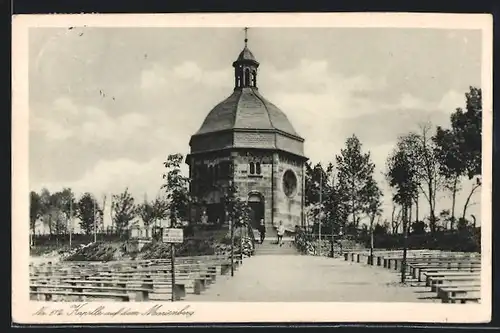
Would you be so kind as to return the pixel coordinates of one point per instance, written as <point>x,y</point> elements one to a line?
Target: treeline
<point>57,210</point>
<point>423,164</point>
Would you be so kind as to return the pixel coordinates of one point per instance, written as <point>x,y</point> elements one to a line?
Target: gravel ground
<point>310,279</point>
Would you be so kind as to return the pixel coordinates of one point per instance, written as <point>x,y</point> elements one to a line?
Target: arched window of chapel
<point>257,168</point>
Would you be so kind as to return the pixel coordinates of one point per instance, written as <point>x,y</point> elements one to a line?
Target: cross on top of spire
<point>246,36</point>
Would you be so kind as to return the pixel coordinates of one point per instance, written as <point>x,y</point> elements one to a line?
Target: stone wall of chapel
<point>288,209</point>
<point>213,194</point>
<point>246,182</point>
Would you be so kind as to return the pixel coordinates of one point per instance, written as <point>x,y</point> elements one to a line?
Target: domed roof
<point>246,109</point>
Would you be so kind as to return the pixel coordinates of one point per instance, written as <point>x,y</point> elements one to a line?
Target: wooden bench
<point>463,299</point>
<point>193,282</point>
<point>153,287</point>
<point>415,267</point>
<point>447,273</point>
<point>436,281</point>
<point>445,293</point>
<point>418,272</point>
<point>111,279</point>
<point>118,292</point>
<point>183,285</point>
<point>395,263</point>
<point>209,276</point>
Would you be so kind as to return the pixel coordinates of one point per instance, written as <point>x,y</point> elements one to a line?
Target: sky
<point>108,105</point>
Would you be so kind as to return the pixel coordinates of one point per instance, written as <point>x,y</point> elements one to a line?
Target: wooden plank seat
<point>395,263</point>
<point>417,272</point>
<point>117,292</point>
<point>444,273</point>
<point>160,274</point>
<point>464,299</point>
<point>199,280</point>
<point>189,283</point>
<point>224,265</point>
<point>58,277</point>
<point>158,287</point>
<point>181,287</point>
<point>451,264</point>
<point>445,293</point>
<point>379,256</point>
<point>220,261</point>
<point>201,270</point>
<point>194,281</point>
<point>435,281</point>
<point>414,268</point>
<point>418,275</point>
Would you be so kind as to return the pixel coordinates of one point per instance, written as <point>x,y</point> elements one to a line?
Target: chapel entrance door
<point>256,204</point>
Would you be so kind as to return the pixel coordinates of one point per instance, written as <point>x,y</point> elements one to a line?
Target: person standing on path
<point>281,232</point>
<point>262,230</point>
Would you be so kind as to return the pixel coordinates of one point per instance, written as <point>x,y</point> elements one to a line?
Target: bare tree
<point>429,179</point>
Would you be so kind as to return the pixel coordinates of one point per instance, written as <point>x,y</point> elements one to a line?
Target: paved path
<point>296,278</point>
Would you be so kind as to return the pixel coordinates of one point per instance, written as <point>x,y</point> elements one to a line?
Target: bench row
<point>136,286</point>
<point>452,277</point>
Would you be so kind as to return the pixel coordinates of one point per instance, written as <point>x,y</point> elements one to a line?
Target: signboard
<point>172,235</point>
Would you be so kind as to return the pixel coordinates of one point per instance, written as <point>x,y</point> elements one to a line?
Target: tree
<point>355,170</point>
<point>451,163</point>
<point>68,205</point>
<point>152,211</point>
<point>177,189</point>
<point>336,209</point>
<point>402,175</point>
<point>46,206</point>
<point>459,148</point>
<point>395,219</point>
<point>147,214</point>
<point>381,229</point>
<point>238,213</point>
<point>315,175</point>
<point>467,129</point>
<point>446,219</point>
<point>430,179</point>
<point>87,211</point>
<point>36,211</point>
<point>418,227</point>
<point>54,214</point>
<point>124,210</point>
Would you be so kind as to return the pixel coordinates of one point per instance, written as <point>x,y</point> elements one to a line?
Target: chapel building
<point>247,141</point>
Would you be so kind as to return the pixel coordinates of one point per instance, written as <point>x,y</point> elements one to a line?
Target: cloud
<point>451,101</point>
<point>85,123</point>
<point>101,127</point>
<point>160,77</point>
<point>447,103</point>
<point>113,176</point>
